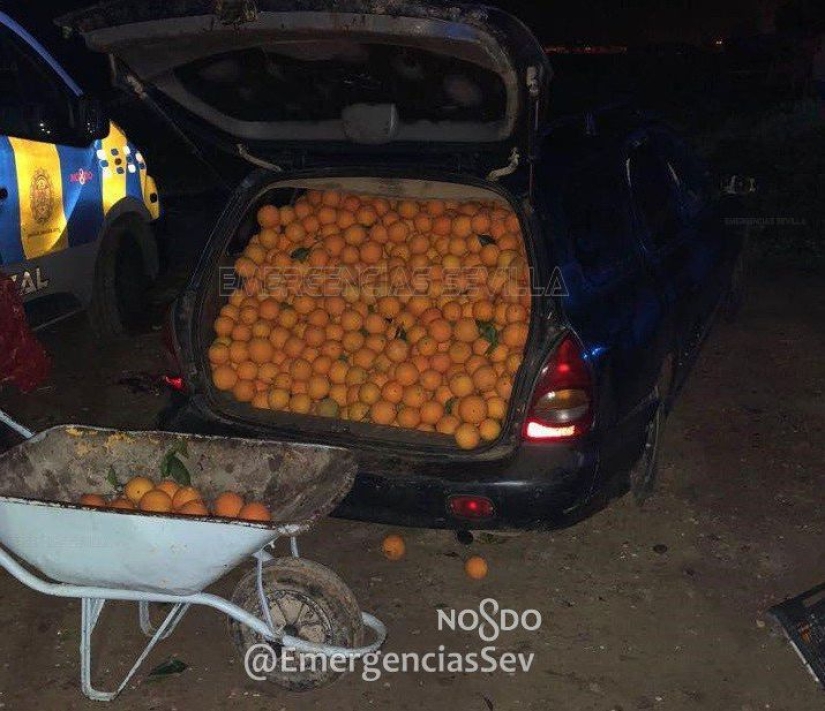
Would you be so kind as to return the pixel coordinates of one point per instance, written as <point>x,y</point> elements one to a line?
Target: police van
<point>76,201</point>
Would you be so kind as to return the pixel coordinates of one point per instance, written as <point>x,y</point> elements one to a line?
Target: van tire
<point>126,268</point>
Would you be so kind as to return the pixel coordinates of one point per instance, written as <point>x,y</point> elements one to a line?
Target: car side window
<point>688,172</point>
<point>34,103</point>
<point>598,217</point>
<point>652,184</point>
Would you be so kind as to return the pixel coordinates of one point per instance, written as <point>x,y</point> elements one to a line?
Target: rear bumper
<point>538,486</point>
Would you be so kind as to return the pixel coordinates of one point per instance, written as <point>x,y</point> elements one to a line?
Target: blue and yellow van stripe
<point>11,248</point>
<point>61,195</point>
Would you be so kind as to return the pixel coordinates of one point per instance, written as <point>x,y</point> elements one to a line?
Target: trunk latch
<point>236,12</point>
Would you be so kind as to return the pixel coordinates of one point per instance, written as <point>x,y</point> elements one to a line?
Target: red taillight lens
<point>562,403</point>
<point>173,378</point>
<point>471,506</point>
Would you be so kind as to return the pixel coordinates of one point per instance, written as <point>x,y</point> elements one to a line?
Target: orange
<point>371,252</point>
<point>406,374</point>
<point>227,504</point>
<point>196,507</point>
<point>440,330</point>
<point>496,407</point>
<point>355,235</point>
<point>255,511</point>
<point>351,320</point>
<point>465,330</point>
<point>408,417</point>
<point>382,412</point>
<point>392,392</point>
<point>397,350</point>
<point>476,567</point>
<point>514,335</point>
<point>136,487</point>
<point>328,408</point>
<point>218,354</point>
<point>314,336</point>
<point>168,486</point>
<point>397,231</point>
<point>460,352</point>
<point>241,332</point>
<point>472,409</point>
<point>184,495</point>
<point>393,547</point>
<point>414,396</point>
<point>504,388</point>
<point>278,398</point>
<point>366,216</point>
<point>489,430</point>
<point>300,403</point>
<point>92,500</point>
<point>375,323</point>
<point>483,311</point>
<point>156,501</point>
<point>430,379</point>
<point>442,225</point>
<point>121,503</point>
<point>260,400</point>
<point>427,345</point>
<point>369,393</point>
<point>431,412</point>
<point>481,223</point>
<point>318,387</point>
<point>467,436</point>
<point>300,370</point>
<point>244,391</point>
<point>260,350</point>
<point>447,424</point>
<point>461,385</point>
<point>485,378</point>
<point>223,325</point>
<point>224,377</point>
<point>269,216</point>
<point>356,375</point>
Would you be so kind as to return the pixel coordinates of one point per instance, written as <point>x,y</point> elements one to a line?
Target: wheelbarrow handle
<point>13,424</point>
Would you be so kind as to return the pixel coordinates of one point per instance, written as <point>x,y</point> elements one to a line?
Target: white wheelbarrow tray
<point>107,554</point>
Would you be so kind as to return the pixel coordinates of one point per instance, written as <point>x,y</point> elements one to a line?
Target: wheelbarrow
<point>58,547</point>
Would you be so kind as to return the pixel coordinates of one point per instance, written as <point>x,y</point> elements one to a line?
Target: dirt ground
<point>658,608</point>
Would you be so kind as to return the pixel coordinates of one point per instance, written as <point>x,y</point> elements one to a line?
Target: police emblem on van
<point>41,196</point>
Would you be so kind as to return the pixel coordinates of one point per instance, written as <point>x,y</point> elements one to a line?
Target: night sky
<point>556,21</point>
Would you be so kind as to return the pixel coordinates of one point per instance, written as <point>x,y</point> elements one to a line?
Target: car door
<point>712,252</point>
<point>666,240</point>
<point>612,302</point>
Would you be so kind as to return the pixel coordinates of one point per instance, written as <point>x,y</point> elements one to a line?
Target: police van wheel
<point>126,268</point>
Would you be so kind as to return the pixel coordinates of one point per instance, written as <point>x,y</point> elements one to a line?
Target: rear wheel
<point>125,271</point>
<point>644,472</point>
<point>306,600</point>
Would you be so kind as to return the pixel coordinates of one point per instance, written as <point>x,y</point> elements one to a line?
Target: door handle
<point>4,192</point>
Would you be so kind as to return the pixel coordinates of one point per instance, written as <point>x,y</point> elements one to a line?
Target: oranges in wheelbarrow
<point>142,494</point>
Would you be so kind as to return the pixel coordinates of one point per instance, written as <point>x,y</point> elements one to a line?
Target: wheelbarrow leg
<point>90,611</point>
<point>146,623</point>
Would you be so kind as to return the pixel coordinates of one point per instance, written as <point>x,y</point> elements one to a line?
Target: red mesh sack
<point>22,359</point>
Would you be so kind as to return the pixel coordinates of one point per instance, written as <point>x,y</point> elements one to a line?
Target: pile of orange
<point>142,494</point>
<point>395,312</point>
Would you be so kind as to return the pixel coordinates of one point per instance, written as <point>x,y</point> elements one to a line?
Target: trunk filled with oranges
<point>410,311</point>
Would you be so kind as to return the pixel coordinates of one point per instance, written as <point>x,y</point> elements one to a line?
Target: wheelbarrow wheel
<point>308,601</point>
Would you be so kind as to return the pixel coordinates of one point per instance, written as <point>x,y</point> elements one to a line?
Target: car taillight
<point>562,404</point>
<point>471,506</point>
<point>173,377</point>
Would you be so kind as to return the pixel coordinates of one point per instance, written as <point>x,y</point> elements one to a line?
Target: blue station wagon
<point>628,259</point>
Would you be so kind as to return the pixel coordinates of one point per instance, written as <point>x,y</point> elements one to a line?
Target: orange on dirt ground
<point>254,511</point>
<point>476,568</point>
<point>227,504</point>
<point>393,547</point>
<point>441,357</point>
<point>92,500</point>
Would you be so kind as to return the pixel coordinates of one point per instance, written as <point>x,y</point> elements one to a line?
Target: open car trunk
<point>368,311</point>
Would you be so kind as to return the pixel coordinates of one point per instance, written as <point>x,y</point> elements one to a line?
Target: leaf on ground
<point>490,539</point>
<point>178,472</point>
<point>300,254</point>
<point>486,239</point>
<point>173,665</point>
<point>111,477</point>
